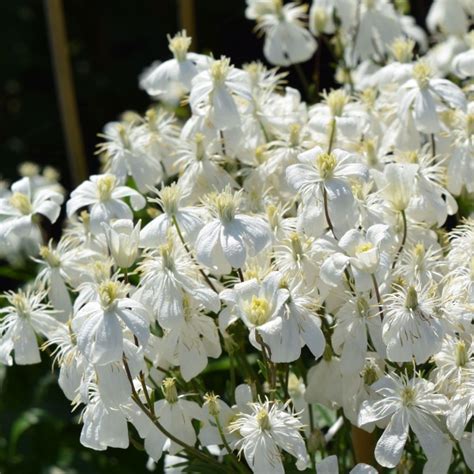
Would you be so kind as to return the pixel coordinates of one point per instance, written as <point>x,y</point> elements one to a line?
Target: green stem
<point>201,271</point>
<point>404,238</point>
<point>377,294</point>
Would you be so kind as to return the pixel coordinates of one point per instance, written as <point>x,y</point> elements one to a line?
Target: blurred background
<point>110,43</point>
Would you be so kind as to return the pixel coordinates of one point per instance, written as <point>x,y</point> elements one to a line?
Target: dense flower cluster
<point>306,247</point>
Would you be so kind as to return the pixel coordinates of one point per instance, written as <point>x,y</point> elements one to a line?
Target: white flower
<point>260,307</point>
<point>190,344</point>
<point>99,328</point>
<point>412,326</point>
<point>268,429</point>
<point>168,277</point>
<point>230,236</point>
<point>356,321</point>
<point>286,40</point>
<point>396,184</point>
<point>329,465</point>
<point>24,318</point>
<point>123,241</point>
<point>362,252</point>
<point>61,266</point>
<point>18,210</point>
<point>213,90</point>
<point>408,403</point>
<point>423,95</point>
<point>175,414</point>
<point>103,194</point>
<point>449,16</point>
<point>189,219</point>
<point>324,178</point>
<point>173,77</point>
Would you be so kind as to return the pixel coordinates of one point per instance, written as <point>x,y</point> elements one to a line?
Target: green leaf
<point>23,423</point>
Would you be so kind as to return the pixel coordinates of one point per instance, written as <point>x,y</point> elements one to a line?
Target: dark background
<point>110,42</point>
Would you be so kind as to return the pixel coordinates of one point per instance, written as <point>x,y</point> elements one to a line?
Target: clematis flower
<point>123,240</point>
<point>18,209</point>
<point>286,40</point>
<point>103,194</point>
<point>99,324</point>
<point>412,326</point>
<point>329,465</point>
<point>24,318</point>
<point>323,179</point>
<point>173,78</point>
<point>190,344</point>
<point>423,95</point>
<point>230,236</point>
<point>268,429</point>
<point>213,91</point>
<point>408,403</point>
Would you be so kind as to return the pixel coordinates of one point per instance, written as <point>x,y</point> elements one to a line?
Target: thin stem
<point>433,145</point>
<point>404,238</point>
<point>234,460</point>
<point>332,134</point>
<point>302,78</point>
<point>377,295</point>
<point>241,275</point>
<point>326,213</point>
<point>201,271</point>
<point>141,376</point>
<point>190,449</point>
<point>269,366</point>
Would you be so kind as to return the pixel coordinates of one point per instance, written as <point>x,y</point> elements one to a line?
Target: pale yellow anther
<point>219,70</point>
<point>422,73</point>
<point>169,390</point>
<point>263,419</point>
<point>402,50</point>
<point>365,247</point>
<point>179,45</point>
<point>257,310</point>
<point>326,163</point>
<point>105,186</point>
<point>22,203</point>
<point>336,101</point>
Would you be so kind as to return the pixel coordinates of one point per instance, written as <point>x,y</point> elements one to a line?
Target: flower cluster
<point>300,251</point>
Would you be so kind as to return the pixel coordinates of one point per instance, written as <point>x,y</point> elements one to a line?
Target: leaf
<point>23,423</point>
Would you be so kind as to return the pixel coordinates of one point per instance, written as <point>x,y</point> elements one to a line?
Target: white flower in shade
<point>201,171</point>
<point>287,41</point>
<point>356,322</point>
<point>260,306</point>
<point>21,321</point>
<point>412,326</point>
<point>19,209</point>
<point>126,158</point>
<point>214,92</point>
<point>104,426</point>
<point>123,240</point>
<point>189,219</point>
<point>396,184</point>
<point>461,165</point>
<point>449,16</point>
<point>329,465</point>
<point>175,414</point>
<point>322,179</point>
<point>230,236</point>
<point>408,403</point>
<point>266,431</point>
<point>169,276</point>
<point>325,383</point>
<point>99,324</point>
<point>173,78</point>
<point>378,26</point>
<point>103,195</point>
<point>423,97</point>
<point>463,63</point>
<point>454,375</point>
<point>62,266</point>
<point>361,251</point>
<point>190,344</point>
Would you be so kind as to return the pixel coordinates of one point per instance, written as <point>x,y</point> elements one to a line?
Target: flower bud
<point>123,240</point>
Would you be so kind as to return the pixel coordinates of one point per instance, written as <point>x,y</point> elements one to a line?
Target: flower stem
<point>377,294</point>
<point>189,449</point>
<point>201,271</point>
<point>302,78</point>
<point>404,238</point>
